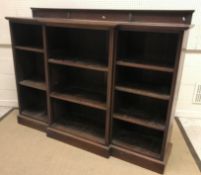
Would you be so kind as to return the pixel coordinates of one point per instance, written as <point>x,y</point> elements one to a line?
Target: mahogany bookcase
<point>102,80</point>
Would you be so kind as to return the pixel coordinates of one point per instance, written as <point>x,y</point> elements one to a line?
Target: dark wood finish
<point>37,115</point>
<point>79,64</point>
<point>170,114</point>
<point>29,49</point>
<point>80,100</point>
<point>142,122</point>
<point>167,16</point>
<point>142,92</point>
<point>79,120</point>
<point>144,66</point>
<point>47,75</point>
<point>79,142</point>
<point>102,80</point>
<point>141,160</point>
<point>36,124</point>
<point>33,84</point>
<point>103,25</point>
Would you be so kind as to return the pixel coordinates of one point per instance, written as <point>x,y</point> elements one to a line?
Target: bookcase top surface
<point>133,25</point>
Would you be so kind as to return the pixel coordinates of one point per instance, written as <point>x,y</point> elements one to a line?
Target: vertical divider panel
<point>45,40</point>
<point>109,84</point>
<point>115,35</point>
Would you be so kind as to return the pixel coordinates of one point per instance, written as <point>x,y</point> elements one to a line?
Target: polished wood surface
<point>102,80</point>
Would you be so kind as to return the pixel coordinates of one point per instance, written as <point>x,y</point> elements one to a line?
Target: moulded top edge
<point>96,23</point>
<point>123,10</point>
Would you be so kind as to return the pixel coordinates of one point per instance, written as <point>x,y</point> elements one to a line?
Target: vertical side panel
<point>173,95</point>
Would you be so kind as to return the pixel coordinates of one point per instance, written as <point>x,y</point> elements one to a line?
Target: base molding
<point>144,161</point>
<point>141,160</point>
<point>87,145</point>
<point>26,121</point>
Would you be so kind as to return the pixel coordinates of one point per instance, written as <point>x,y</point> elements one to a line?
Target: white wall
<point>192,63</point>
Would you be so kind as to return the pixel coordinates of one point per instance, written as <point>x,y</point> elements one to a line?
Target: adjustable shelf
<point>31,49</point>
<point>79,63</point>
<point>33,84</point>
<point>79,99</point>
<point>146,121</point>
<point>137,64</point>
<point>142,92</point>
<point>101,80</point>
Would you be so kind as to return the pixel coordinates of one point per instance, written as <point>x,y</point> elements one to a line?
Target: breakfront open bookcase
<point>102,80</point>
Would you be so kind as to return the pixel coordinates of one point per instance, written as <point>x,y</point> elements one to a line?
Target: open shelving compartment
<point>150,83</point>
<point>79,120</point>
<point>64,47</point>
<point>27,37</point>
<point>145,111</point>
<point>33,103</point>
<point>30,66</point>
<point>149,50</point>
<point>137,138</point>
<point>80,86</point>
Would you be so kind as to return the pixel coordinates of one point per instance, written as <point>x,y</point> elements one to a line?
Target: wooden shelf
<point>80,64</point>
<point>34,84</point>
<point>36,114</point>
<point>147,93</point>
<point>82,97</point>
<point>153,124</point>
<point>128,63</point>
<point>29,48</point>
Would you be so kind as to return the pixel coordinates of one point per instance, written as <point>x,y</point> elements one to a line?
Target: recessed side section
<point>27,35</point>
<point>150,48</point>
<point>33,103</point>
<point>78,45</point>
<point>79,120</point>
